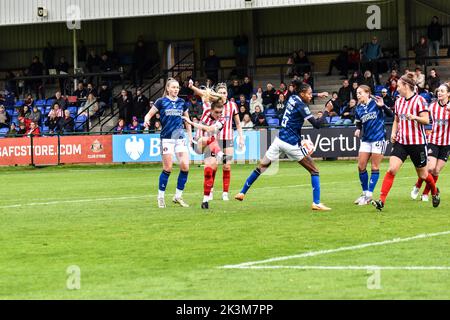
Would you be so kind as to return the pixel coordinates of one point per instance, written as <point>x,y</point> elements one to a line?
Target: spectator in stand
<point>281,106</point>
<point>246,88</point>
<point>282,89</point>
<point>93,62</point>
<point>340,63</point>
<point>91,89</point>
<point>105,98</point>
<point>139,63</point>
<point>259,93</point>
<point>36,69</point>
<point>393,89</point>
<point>185,91</point>
<point>256,114</point>
<point>344,93</point>
<point>348,114</point>
<point>157,126</point>
<point>81,92</point>
<point>91,107</point>
<point>247,122</point>
<point>29,101</point>
<point>62,68</point>
<point>335,106</point>
<point>67,123</point>
<point>22,129</point>
<point>269,97</point>
<point>308,79</point>
<point>356,77</point>
<point>371,54</point>
<point>319,116</point>
<point>242,112</point>
<point>106,64</point>
<point>433,82</point>
<point>261,121</point>
<point>140,105</point>
<point>435,36</point>
<point>290,92</point>
<point>4,118</point>
<point>195,109</point>
<point>24,116</point>
<point>33,130</point>
<point>82,55</point>
<point>243,103</point>
<point>125,104</point>
<point>392,76</point>
<point>368,80</point>
<point>54,119</point>
<point>254,101</point>
<point>60,100</point>
<point>212,65</point>
<point>120,128</point>
<point>353,93</point>
<point>35,115</point>
<point>12,131</point>
<point>354,59</point>
<point>420,80</point>
<point>421,51</point>
<point>48,55</point>
<point>302,65</point>
<point>134,127</point>
<point>234,90</point>
<point>388,101</point>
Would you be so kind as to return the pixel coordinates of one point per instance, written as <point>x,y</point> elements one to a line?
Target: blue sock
<point>364,178</point>
<point>373,180</point>
<point>182,179</point>
<point>315,182</point>
<point>252,178</point>
<point>163,179</point>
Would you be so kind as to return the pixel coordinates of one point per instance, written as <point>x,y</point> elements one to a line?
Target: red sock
<point>419,183</point>
<point>428,187</point>
<point>226,180</point>
<point>208,183</point>
<point>386,186</point>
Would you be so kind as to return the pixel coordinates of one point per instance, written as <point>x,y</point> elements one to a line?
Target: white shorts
<point>377,147</point>
<point>169,146</point>
<point>279,147</point>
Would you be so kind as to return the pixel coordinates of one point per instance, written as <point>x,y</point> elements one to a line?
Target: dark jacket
<point>140,106</point>
<point>435,32</point>
<point>344,94</point>
<point>67,124</point>
<point>269,97</point>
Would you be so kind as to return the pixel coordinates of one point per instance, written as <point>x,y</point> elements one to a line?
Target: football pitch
<point>103,222</point>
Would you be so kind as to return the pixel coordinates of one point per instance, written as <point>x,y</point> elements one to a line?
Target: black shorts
<point>417,152</point>
<point>438,152</point>
<point>226,144</point>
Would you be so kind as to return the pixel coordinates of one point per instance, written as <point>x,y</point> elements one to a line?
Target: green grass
<point>127,248</point>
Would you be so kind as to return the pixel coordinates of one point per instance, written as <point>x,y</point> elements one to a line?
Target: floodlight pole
<point>75,57</point>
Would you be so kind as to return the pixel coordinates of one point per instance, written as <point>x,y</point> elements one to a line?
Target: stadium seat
<point>3,132</point>
<point>19,103</point>
<point>72,99</point>
<point>80,123</point>
<point>270,112</point>
<point>40,103</point>
<point>73,111</point>
<point>45,129</point>
<point>10,112</point>
<point>334,119</point>
<point>426,96</point>
<point>379,88</point>
<point>50,102</point>
<point>273,122</point>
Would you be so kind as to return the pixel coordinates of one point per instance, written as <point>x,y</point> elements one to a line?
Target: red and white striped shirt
<point>440,133</point>
<point>229,111</point>
<point>207,120</point>
<point>410,132</point>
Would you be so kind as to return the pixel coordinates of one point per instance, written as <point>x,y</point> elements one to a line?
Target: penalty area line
<point>418,268</point>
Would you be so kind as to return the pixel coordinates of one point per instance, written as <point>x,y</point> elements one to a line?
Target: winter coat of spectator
<point>435,36</point>
<point>185,91</point>
<point>125,104</point>
<point>308,79</point>
<point>82,53</point>
<point>54,118</point>
<point>256,114</point>
<point>421,51</point>
<point>302,63</point>
<point>120,128</point>
<point>29,101</point>
<point>35,115</point>
<point>91,107</point>
<point>340,63</point>
<point>140,105</point>
<point>104,97</point>
<point>369,80</point>
<point>354,59</point>
<point>372,51</point>
<point>269,97</point>
<point>212,65</point>
<point>81,92</point>
<point>195,109</point>
<point>254,101</point>
<point>356,77</point>
<point>134,127</point>
<point>242,102</point>
<point>59,100</point>
<point>12,132</point>
<point>48,55</point>
<point>420,80</point>
<point>247,122</point>
<point>22,129</point>
<point>261,121</point>
<point>91,89</point>
<point>36,68</point>
<point>67,123</point>
<point>234,90</point>
<point>290,92</point>
<point>388,101</point>
<point>353,93</point>
<point>281,106</point>
<point>106,64</point>
<point>344,93</point>
<point>433,81</point>
<point>393,89</point>
<point>4,118</point>
<point>242,112</point>
<point>33,130</point>
<point>348,114</point>
<point>93,62</point>
<point>393,76</point>
<point>246,88</point>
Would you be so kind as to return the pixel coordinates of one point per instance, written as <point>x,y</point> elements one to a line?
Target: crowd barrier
<point>136,148</point>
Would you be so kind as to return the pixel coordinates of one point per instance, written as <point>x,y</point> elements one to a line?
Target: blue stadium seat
<point>50,102</point>
<point>10,112</point>
<point>73,111</point>
<point>273,122</point>
<point>19,103</point>
<point>426,96</point>
<point>334,119</point>
<point>379,88</point>
<point>45,129</point>
<point>47,109</point>
<point>3,132</point>
<point>15,119</point>
<point>40,103</point>
<point>80,123</point>
<point>270,112</point>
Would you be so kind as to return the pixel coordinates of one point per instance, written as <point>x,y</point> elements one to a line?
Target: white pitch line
<point>349,267</point>
<point>349,248</point>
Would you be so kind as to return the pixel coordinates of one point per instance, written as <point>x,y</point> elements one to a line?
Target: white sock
<point>161,194</point>
<point>225,193</point>
<point>205,198</point>
<point>211,192</point>
<point>368,194</point>
<point>178,193</point>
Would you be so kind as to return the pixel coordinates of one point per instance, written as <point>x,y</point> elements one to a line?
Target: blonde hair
<point>168,83</point>
<point>410,79</point>
<point>213,96</point>
<point>365,88</point>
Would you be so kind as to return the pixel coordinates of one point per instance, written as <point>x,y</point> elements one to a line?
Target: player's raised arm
<point>386,109</point>
<point>215,128</point>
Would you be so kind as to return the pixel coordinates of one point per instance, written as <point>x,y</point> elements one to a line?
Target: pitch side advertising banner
<point>147,148</point>
<point>334,142</point>
<point>45,151</point>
